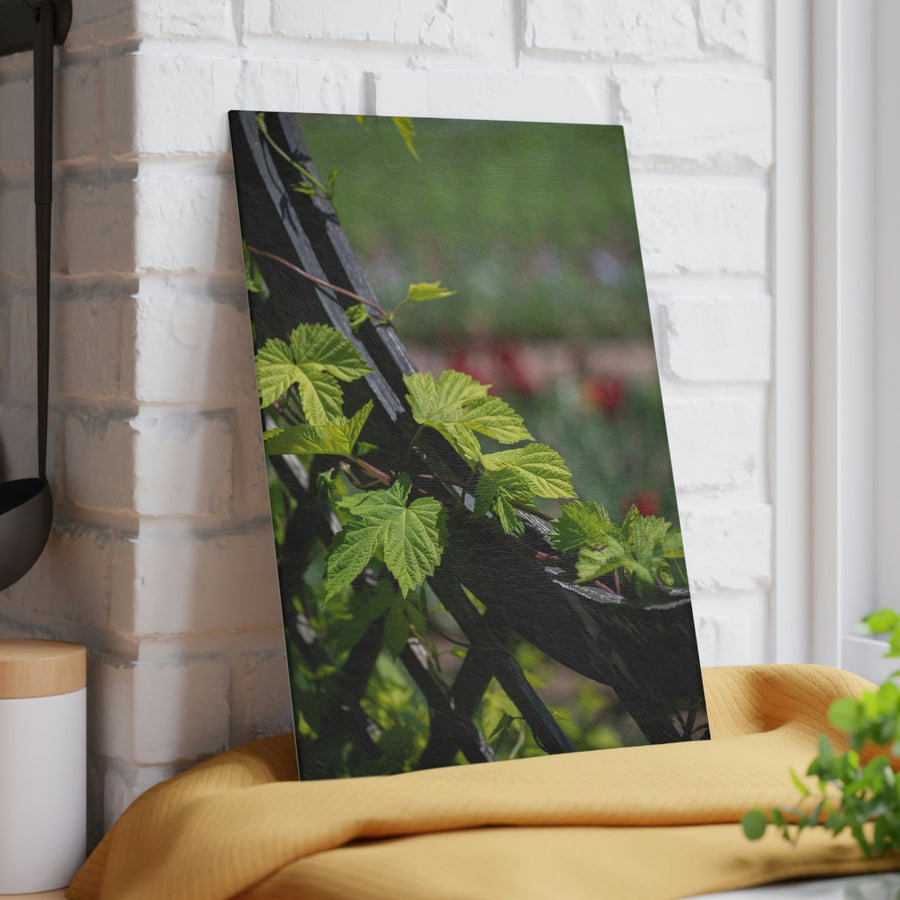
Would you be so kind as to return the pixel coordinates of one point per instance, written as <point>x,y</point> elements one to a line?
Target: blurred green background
<point>533,226</point>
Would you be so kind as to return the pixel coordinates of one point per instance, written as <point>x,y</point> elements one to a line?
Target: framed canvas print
<point>472,500</point>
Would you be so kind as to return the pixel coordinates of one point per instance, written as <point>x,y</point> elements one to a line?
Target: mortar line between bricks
<point>646,62</point>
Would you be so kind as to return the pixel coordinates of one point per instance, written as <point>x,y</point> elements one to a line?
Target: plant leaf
<point>328,350</point>
<point>356,315</point>
<point>754,824</point>
<point>419,293</point>
<point>457,406</point>
<point>411,538</point>
<point>338,436</point>
<point>580,525</point>
<point>844,713</point>
<point>407,131</point>
<point>317,357</point>
<point>348,555</point>
<point>534,470</point>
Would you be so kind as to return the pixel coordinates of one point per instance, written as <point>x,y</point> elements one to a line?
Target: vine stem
<point>297,165</point>
<point>377,474</point>
<point>320,281</point>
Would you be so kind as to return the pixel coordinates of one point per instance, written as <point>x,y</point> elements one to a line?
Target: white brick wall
<point>160,559</point>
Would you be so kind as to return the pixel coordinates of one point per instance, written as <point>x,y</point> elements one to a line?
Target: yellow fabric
<point>641,823</point>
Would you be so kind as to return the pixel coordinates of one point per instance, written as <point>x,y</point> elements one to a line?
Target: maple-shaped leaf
<point>594,562</point>
<point>410,538</point>
<point>317,357</point>
<point>493,494</point>
<point>518,476</point>
<point>580,524</point>
<point>534,470</point>
<point>458,406</point>
<point>338,436</point>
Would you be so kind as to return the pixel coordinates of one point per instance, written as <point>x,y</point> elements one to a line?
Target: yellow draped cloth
<point>638,823</point>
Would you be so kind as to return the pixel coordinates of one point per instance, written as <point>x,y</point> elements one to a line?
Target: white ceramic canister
<point>43,765</point>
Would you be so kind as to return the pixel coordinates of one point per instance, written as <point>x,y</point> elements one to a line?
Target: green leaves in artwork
<point>517,476</point>
<point>316,359</point>
<point>409,538</point>
<point>427,290</point>
<point>338,436</point>
<point>458,407</point>
<point>642,546</point>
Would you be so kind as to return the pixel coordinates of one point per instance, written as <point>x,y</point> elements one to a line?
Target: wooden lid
<point>41,668</point>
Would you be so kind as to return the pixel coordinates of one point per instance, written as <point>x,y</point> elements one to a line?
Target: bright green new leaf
<point>338,436</point>
<point>458,406</point>
<point>491,495</point>
<point>881,621</point>
<point>317,358</point>
<point>325,347</point>
<point>594,563</point>
<point>844,714</point>
<point>410,538</point>
<point>356,315</point>
<point>350,552</point>
<point>580,525</point>
<point>535,469</point>
<point>420,293</point>
<point>407,131</point>
<point>801,787</point>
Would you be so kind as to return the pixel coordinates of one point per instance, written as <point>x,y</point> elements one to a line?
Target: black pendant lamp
<point>26,506</point>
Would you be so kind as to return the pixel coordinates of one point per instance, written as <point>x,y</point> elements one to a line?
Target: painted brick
<point>260,697</point>
<point>99,454</point>
<point>697,121</point>
<point>87,336</point>
<point>731,629</point>
<point>23,348</point>
<point>77,114</point>
<point>95,229</point>
<point>154,714</point>
<point>727,548</point>
<point>186,223</point>
<point>250,482</point>
<point>97,23</point>
<point>701,227</point>
<point>206,19</point>
<point>539,96</point>
<point>717,442</point>
<point>718,339</point>
<point>182,463</point>
<point>156,463</point>
<point>113,786</point>
<point>18,443</point>
<point>188,583</point>
<point>734,28</point>
<point>71,580</point>
<point>141,86</point>
<point>74,122</point>
<point>16,142</point>
<point>256,17</point>
<point>483,29</point>
<point>17,231</point>
<point>6,335</point>
<point>86,342</point>
<point>192,349</point>
<point>665,29</point>
<point>417,22</point>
